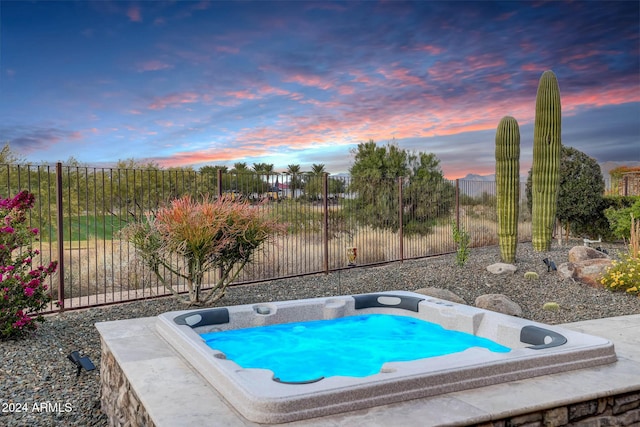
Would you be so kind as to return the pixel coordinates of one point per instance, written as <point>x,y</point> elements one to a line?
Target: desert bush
<point>462,240</point>
<point>189,238</point>
<point>620,219</point>
<point>624,274</point>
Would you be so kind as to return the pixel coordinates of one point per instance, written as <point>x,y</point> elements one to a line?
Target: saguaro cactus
<point>546,161</point>
<point>508,186</point>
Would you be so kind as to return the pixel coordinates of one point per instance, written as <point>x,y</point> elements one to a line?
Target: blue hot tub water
<point>354,346</point>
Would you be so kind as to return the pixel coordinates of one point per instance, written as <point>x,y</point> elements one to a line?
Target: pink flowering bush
<point>23,292</point>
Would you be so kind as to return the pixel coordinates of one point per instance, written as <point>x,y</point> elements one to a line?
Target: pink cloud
<point>313,81</point>
<point>484,61</point>
<point>152,65</point>
<point>444,71</point>
<point>533,68</point>
<point>134,14</point>
<point>361,77</point>
<point>403,75</point>
<point>434,50</point>
<point>165,123</point>
<point>598,98</point>
<point>345,90</point>
<point>499,78</point>
<point>173,100</point>
<point>214,155</point>
<point>272,90</point>
<point>242,94</point>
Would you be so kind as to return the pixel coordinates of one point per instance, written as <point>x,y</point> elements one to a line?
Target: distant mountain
<point>476,177</point>
<point>476,183</point>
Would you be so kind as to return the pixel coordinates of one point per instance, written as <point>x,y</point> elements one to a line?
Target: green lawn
<point>87,227</point>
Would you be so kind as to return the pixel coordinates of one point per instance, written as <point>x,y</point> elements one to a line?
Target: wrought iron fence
<point>82,210</point>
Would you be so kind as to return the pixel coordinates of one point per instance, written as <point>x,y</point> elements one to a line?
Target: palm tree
<point>263,168</point>
<point>295,181</point>
<point>318,169</point>
<point>239,167</point>
<point>313,181</point>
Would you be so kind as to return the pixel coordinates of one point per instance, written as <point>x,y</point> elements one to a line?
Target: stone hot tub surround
<point>537,350</point>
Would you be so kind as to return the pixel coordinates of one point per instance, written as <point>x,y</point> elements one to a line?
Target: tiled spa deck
<point>173,394</point>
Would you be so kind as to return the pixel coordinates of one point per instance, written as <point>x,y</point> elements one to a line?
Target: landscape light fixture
<point>81,362</point>
<point>551,266</point>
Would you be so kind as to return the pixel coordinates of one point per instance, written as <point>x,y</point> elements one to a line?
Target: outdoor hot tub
<point>535,349</point>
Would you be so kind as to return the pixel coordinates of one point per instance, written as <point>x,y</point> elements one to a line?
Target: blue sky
<point>212,83</point>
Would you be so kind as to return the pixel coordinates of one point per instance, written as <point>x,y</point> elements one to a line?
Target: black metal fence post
<point>400,219</point>
<point>325,225</point>
<point>60,234</point>
<point>457,204</point>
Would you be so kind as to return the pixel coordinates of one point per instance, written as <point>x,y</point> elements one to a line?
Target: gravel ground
<point>39,387</point>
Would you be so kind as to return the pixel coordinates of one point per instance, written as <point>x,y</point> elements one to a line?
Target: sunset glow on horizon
<point>214,83</point>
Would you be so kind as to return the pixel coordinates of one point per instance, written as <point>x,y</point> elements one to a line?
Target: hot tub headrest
<point>378,300</point>
<point>537,336</point>
<point>206,317</point>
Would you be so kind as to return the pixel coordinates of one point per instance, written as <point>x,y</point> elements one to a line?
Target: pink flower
<point>28,292</point>
<point>35,231</point>
<point>7,229</point>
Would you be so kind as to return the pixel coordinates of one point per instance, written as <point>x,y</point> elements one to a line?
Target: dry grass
<point>111,267</point>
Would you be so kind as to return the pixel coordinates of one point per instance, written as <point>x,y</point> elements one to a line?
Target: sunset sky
<point>213,83</point>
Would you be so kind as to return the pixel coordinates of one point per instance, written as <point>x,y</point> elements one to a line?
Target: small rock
<point>499,303</point>
<point>566,270</point>
<point>500,268</point>
<point>444,294</point>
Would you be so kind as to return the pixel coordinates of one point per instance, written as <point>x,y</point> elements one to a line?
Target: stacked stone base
<point>117,400</point>
<point>616,411</point>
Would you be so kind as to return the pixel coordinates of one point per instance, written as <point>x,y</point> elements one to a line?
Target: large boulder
<point>444,294</point>
<point>583,253</point>
<point>588,272</point>
<point>586,265</point>
<point>500,268</point>
<point>499,303</point>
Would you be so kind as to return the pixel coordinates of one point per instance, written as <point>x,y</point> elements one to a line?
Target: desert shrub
<point>23,292</point>
<point>624,274</point>
<point>189,238</point>
<point>620,219</point>
<point>599,225</point>
<point>580,192</point>
<point>462,240</point>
